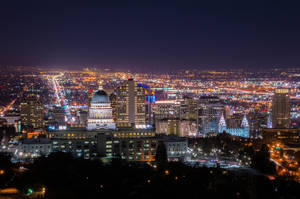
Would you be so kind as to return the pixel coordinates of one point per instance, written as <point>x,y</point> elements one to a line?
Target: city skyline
<point>149,99</point>
<point>167,124</point>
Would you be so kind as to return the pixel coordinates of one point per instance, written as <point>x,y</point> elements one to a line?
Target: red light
<point>294,123</point>
<point>91,91</point>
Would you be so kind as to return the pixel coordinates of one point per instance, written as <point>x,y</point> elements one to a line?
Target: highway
<point>246,91</point>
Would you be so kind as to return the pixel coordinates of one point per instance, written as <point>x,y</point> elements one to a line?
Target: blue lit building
<point>243,131</point>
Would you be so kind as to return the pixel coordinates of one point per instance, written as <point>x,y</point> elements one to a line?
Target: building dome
<point>100,112</point>
<point>100,97</point>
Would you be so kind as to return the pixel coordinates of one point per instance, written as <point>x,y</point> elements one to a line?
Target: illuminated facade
<point>188,109</point>
<point>130,105</point>
<point>281,109</point>
<point>139,145</point>
<point>181,128</point>
<point>210,110</point>
<point>78,141</point>
<point>34,147</point>
<point>243,131</point>
<point>176,147</point>
<point>165,109</point>
<point>100,112</point>
<point>285,136</point>
<point>32,114</point>
<point>132,145</point>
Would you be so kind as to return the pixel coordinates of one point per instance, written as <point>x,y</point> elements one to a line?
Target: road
<point>60,98</point>
<point>8,107</point>
<point>246,91</point>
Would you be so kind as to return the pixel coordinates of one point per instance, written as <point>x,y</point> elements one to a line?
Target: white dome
<point>100,97</point>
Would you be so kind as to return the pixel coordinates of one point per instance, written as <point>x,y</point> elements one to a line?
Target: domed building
<point>100,112</point>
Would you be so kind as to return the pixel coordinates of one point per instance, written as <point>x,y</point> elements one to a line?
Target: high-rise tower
<point>130,105</point>
<point>210,110</point>
<point>281,108</point>
<point>32,115</point>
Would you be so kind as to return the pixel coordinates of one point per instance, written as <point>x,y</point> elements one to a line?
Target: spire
<point>269,122</point>
<point>222,122</point>
<point>245,122</point>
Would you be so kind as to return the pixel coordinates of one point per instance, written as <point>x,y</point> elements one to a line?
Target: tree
<point>261,161</point>
<point>5,162</point>
<point>297,156</point>
<point>161,154</point>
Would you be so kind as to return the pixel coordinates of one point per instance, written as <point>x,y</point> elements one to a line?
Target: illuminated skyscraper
<point>130,105</point>
<point>281,108</point>
<point>210,110</point>
<point>32,115</point>
<point>113,101</point>
<point>188,109</point>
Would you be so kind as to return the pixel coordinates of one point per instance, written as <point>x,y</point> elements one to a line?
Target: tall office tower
<point>131,105</point>
<point>210,110</point>
<point>150,100</point>
<point>100,112</point>
<point>188,109</point>
<point>281,108</point>
<point>32,115</point>
<point>113,101</point>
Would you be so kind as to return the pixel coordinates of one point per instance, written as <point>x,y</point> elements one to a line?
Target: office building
<point>34,147</point>
<point>188,109</point>
<point>181,128</point>
<point>132,145</point>
<point>77,141</point>
<point>210,110</point>
<point>32,115</point>
<point>281,108</point>
<point>139,145</point>
<point>131,105</point>
<point>176,147</point>
<point>113,102</point>
<point>285,136</point>
<point>166,109</point>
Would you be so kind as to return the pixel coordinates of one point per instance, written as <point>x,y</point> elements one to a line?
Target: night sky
<point>150,35</point>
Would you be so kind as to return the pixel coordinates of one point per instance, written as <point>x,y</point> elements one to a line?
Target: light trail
<point>244,91</point>
<point>8,107</point>
<point>60,99</point>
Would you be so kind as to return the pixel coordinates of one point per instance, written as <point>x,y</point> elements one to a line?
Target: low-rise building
<point>176,147</point>
<point>181,128</point>
<point>131,145</point>
<point>34,147</point>
<point>282,135</point>
<point>78,141</point>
